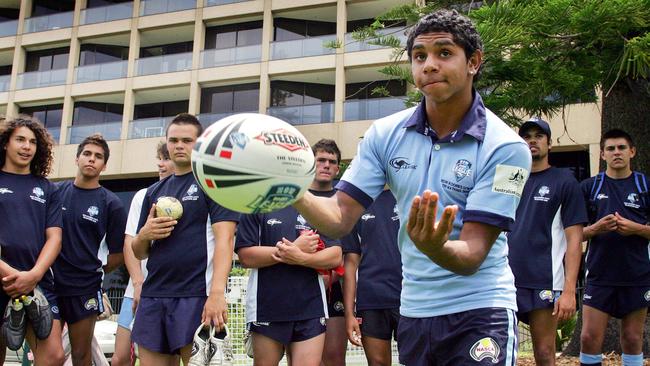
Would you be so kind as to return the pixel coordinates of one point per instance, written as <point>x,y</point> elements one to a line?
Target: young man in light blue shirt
<point>457,172</point>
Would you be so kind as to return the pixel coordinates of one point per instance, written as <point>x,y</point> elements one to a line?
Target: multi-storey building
<point>124,68</point>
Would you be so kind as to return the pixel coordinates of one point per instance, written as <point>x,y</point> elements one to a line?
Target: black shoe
<point>14,325</point>
<point>39,314</point>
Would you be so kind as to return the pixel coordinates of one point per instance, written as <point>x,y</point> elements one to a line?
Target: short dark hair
<point>186,119</point>
<point>41,164</point>
<point>459,26</point>
<point>161,150</point>
<point>329,146</point>
<point>95,139</point>
<point>615,133</point>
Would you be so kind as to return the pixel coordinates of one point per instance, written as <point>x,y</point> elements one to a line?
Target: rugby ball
<point>253,163</point>
<point>169,207</point>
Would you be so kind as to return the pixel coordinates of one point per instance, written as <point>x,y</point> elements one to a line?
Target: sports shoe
<point>38,313</point>
<point>220,350</point>
<point>14,325</point>
<point>200,346</point>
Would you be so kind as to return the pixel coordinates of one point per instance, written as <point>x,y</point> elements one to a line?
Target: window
<point>288,93</point>
<point>291,29</point>
<point>91,113</point>
<point>92,54</point>
<point>100,3</point>
<point>49,115</point>
<point>52,59</point>
<point>45,7</point>
<point>230,99</point>
<point>156,110</point>
<point>364,90</point>
<point>167,49</point>
<point>233,35</point>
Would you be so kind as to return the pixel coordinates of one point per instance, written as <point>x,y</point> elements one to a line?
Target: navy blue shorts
<point>616,301</point>
<point>289,332</point>
<point>335,300</point>
<point>51,299</point>
<point>76,308</point>
<point>167,324</point>
<point>534,299</point>
<point>379,323</point>
<point>475,337</point>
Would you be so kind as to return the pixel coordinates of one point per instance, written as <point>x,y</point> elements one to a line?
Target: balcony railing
<point>371,109</point>
<point>48,22</point>
<point>231,56</point>
<point>162,64</point>
<point>148,127</point>
<point>4,82</point>
<point>304,114</point>
<point>352,45</point>
<point>313,46</point>
<point>8,28</point>
<point>110,131</point>
<point>106,13</point>
<point>55,132</point>
<point>39,79</point>
<point>222,2</point>
<point>207,119</point>
<point>148,7</point>
<point>104,71</point>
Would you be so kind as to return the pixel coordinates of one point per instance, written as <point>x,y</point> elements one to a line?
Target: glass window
<point>222,102</point>
<point>289,29</point>
<point>232,35</point>
<point>49,115</point>
<point>247,37</point>
<point>55,58</point>
<point>155,110</point>
<point>226,40</point>
<point>246,100</point>
<point>90,113</point>
<point>231,98</point>
<point>167,49</point>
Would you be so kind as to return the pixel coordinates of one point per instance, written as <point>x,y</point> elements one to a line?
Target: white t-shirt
<point>131,229</point>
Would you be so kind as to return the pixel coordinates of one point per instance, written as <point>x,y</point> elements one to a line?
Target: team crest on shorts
<point>91,304</point>
<point>462,169</point>
<point>647,296</point>
<point>322,321</point>
<point>485,348</point>
<point>546,295</point>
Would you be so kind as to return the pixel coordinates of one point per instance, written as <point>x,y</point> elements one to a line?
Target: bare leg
<point>543,326</point>
<point>378,352</point>
<point>308,352</point>
<point>336,342</point>
<point>268,352</point>
<point>47,352</point>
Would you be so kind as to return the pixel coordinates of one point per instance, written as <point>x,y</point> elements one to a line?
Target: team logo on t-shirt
<point>541,194</point>
<point>92,211</point>
<point>509,179</point>
<point>367,217</point>
<point>400,163</point>
<point>272,222</point>
<point>647,296</point>
<point>485,348</point>
<point>190,195</point>
<point>632,199</point>
<point>37,195</point>
<point>302,223</point>
<point>5,190</point>
<point>602,196</point>
<point>395,213</point>
<point>462,169</point>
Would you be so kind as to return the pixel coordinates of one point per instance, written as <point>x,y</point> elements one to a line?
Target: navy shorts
<point>51,299</point>
<point>534,299</point>
<point>616,301</point>
<point>335,300</point>
<point>289,332</point>
<point>76,308</point>
<point>379,323</point>
<point>167,324</point>
<point>475,337</point>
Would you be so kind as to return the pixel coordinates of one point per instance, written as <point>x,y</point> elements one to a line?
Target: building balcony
<point>304,114</point>
<point>49,22</point>
<point>313,46</point>
<point>104,71</point>
<point>110,130</point>
<point>4,82</point>
<point>208,119</point>
<point>371,109</point>
<point>222,2</point>
<point>148,127</point>
<point>231,56</point>
<point>352,45</point>
<point>149,7</point>
<point>39,79</point>
<point>106,13</point>
<point>8,28</point>
<point>163,64</point>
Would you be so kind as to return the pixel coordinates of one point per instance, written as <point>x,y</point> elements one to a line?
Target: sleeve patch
<point>509,179</point>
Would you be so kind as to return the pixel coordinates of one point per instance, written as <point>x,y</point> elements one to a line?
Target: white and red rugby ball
<point>253,163</point>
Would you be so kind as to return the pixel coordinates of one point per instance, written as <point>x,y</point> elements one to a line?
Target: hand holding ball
<point>169,207</point>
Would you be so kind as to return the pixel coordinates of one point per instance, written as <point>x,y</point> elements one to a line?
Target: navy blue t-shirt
<point>614,259</point>
<point>379,278</point>
<point>181,264</point>
<point>281,292</point>
<point>551,201</point>
<point>90,216</point>
<point>28,206</point>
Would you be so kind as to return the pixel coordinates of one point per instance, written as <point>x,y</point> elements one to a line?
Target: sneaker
<point>220,350</point>
<point>39,313</point>
<point>200,344</point>
<point>14,325</point>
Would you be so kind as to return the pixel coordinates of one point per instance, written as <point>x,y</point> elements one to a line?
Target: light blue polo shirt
<point>482,167</point>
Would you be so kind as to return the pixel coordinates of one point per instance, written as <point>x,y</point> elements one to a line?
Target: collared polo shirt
<point>482,168</point>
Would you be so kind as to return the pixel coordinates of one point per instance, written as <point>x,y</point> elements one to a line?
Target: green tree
<point>541,55</point>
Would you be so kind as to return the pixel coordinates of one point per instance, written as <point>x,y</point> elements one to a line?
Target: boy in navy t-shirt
<point>545,244</point>
<point>188,259</point>
<point>30,236</point>
<point>618,260</point>
<point>92,215</point>
<point>372,301</point>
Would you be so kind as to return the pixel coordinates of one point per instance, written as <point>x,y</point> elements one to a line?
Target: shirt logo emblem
<point>5,190</point>
<point>485,348</point>
<point>602,196</point>
<point>509,179</point>
<point>272,222</point>
<point>367,217</point>
<point>92,212</point>
<point>462,169</point>
<point>395,213</point>
<point>302,223</point>
<point>189,196</point>
<point>541,194</point>
<point>37,194</point>
<point>647,296</point>
<point>633,198</point>
<point>401,163</point>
